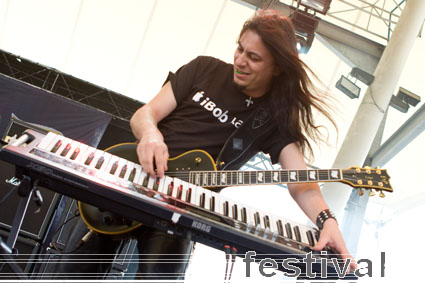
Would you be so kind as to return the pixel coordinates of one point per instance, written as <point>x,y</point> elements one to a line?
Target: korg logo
<point>201,226</point>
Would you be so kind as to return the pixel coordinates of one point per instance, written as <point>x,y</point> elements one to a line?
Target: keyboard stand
<point>122,260</point>
<point>27,189</point>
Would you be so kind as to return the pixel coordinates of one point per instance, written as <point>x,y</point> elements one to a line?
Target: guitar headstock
<point>367,178</point>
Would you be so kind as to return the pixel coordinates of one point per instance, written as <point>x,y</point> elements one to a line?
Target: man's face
<point>254,67</point>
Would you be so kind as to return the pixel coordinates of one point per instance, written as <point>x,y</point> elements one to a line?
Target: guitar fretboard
<point>267,177</point>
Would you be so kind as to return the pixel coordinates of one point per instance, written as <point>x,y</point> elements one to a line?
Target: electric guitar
<point>197,167</point>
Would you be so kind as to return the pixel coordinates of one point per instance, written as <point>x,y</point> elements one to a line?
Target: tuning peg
<point>381,194</point>
<point>361,192</point>
<point>371,193</point>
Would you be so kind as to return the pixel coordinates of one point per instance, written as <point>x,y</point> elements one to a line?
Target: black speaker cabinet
<point>26,254</point>
<point>68,219</point>
<point>36,219</point>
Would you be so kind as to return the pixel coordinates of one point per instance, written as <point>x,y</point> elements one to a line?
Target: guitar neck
<point>265,177</point>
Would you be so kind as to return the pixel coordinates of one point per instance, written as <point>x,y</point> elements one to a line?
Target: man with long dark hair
<point>264,101</point>
<point>207,100</point>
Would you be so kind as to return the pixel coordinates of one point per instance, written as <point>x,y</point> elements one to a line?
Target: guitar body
<point>103,221</point>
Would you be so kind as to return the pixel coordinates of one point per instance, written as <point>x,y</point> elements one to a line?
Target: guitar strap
<point>243,143</point>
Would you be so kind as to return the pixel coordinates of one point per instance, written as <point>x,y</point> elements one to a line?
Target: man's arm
<point>309,198</point>
<point>151,149</point>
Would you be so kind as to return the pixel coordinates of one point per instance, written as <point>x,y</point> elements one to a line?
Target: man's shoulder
<point>211,61</point>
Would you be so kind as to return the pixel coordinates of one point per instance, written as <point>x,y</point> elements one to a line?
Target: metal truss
<point>117,105</point>
<point>374,19</point>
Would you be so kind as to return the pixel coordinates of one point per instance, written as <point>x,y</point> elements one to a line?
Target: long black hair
<point>293,95</point>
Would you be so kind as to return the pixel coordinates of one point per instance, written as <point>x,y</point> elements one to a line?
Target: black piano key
<point>99,162</point>
<point>75,153</point>
<point>288,229</point>
<point>310,237</point>
<point>123,171</point>
<point>156,184</point>
<point>132,175</point>
<point>243,215</point>
<point>170,188</point>
<point>179,192</point>
<point>89,159</point>
<point>316,235</point>
<point>212,203</point>
<point>145,180</point>
<point>280,228</point>
<point>189,195</point>
<point>114,168</point>
<point>297,233</point>
<point>235,211</point>
<point>66,150</point>
<point>202,200</point>
<point>226,208</point>
<point>266,221</point>
<point>257,219</point>
<point>56,146</point>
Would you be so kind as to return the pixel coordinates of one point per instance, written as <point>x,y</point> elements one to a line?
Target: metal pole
<point>371,111</point>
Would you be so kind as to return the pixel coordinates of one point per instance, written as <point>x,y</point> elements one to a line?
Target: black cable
<point>76,214</point>
<point>8,194</point>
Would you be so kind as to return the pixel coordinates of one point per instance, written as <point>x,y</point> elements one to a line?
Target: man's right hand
<point>153,153</point>
<point>151,150</point>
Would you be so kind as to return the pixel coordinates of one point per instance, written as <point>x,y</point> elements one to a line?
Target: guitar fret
<point>267,177</point>
<point>302,175</point>
<point>246,177</point>
<point>284,176</point>
<point>253,178</point>
<point>229,178</point>
<point>323,175</point>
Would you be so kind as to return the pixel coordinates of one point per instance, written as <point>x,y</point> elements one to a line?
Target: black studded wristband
<point>323,216</point>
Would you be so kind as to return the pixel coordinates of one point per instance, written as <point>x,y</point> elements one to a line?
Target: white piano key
<point>199,195</point>
<point>86,154</point>
<point>97,155</point>
<point>249,218</point>
<point>304,237</point>
<point>66,142</point>
<point>74,145</point>
<point>47,140</point>
<point>214,204</point>
<point>54,142</point>
<point>121,163</point>
<point>208,195</point>
<point>193,189</point>
<point>142,181</point>
<point>177,184</point>
<point>83,148</point>
<point>164,184</point>
<point>185,188</point>
<point>151,182</point>
<point>138,173</point>
<point>107,169</point>
<point>106,158</point>
<point>130,167</point>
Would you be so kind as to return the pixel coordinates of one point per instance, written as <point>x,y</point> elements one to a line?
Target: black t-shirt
<point>209,108</point>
